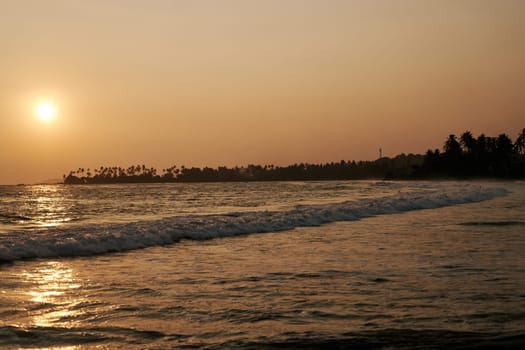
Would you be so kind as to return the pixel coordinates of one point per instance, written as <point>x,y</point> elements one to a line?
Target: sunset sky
<point>234,82</point>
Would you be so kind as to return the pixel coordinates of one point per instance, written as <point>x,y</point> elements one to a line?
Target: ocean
<point>263,265</point>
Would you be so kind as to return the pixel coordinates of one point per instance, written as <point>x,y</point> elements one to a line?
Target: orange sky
<point>235,82</point>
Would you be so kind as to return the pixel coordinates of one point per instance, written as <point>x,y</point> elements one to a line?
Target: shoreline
<point>425,179</point>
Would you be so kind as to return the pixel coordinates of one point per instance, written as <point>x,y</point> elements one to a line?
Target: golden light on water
<point>53,283</point>
<point>50,207</point>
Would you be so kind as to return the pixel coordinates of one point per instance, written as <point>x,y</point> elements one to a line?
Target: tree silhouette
<point>452,147</point>
<point>468,142</point>
<point>483,156</point>
<point>519,144</point>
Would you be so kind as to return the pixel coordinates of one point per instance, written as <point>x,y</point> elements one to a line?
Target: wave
<point>384,339</point>
<point>58,337</point>
<point>7,218</point>
<point>493,223</point>
<point>107,238</point>
<point>14,336</point>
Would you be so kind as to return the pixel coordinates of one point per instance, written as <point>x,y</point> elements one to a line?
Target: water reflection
<point>49,206</point>
<point>54,290</point>
<point>68,347</point>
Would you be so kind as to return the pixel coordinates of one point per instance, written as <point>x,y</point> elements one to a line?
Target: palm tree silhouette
<point>468,142</point>
<point>519,145</point>
<point>452,146</point>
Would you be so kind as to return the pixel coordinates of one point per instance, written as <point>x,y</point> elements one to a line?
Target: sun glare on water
<point>45,111</point>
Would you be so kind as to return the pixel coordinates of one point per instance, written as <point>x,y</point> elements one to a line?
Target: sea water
<point>362,264</point>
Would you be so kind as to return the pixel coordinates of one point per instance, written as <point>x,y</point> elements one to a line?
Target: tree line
<point>398,166</point>
<point>463,157</point>
<point>482,156</point>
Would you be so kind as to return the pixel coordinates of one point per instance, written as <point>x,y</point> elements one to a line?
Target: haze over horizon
<point>236,82</point>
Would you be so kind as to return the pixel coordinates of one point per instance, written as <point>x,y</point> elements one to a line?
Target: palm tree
<point>481,143</point>
<point>452,146</point>
<point>468,142</point>
<point>519,145</point>
<point>504,145</point>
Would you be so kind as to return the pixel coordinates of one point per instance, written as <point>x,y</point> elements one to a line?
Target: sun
<point>45,111</point>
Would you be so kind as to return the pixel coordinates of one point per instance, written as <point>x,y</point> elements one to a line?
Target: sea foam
<point>99,239</point>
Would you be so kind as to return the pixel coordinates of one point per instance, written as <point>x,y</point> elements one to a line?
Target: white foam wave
<point>98,239</point>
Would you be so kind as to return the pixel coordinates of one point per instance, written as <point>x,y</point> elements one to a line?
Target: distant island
<point>466,157</point>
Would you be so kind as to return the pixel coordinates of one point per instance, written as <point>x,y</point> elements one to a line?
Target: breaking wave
<point>105,238</point>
